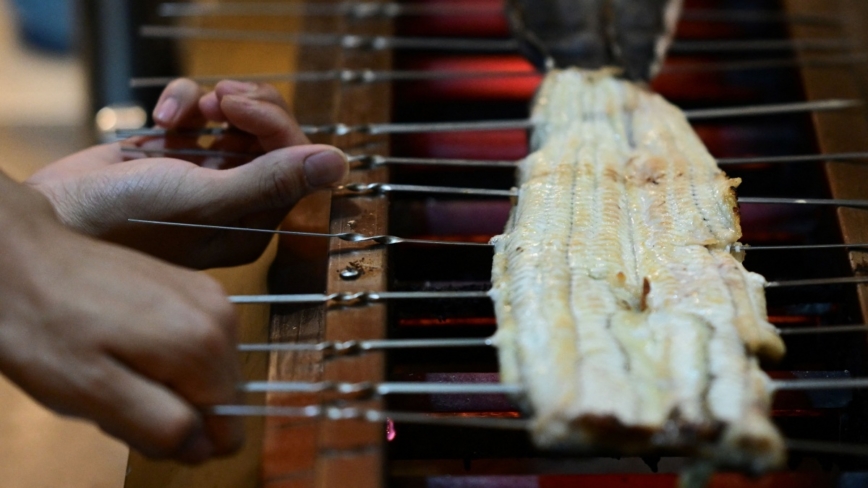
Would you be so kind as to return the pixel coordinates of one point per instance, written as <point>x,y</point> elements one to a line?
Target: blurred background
<point>45,114</point>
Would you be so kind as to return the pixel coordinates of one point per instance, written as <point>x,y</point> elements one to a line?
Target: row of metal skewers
<point>339,411</point>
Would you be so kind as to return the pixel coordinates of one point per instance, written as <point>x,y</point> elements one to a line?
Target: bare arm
<point>96,331</point>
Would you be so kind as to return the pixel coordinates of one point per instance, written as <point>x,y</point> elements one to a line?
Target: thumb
<point>277,180</point>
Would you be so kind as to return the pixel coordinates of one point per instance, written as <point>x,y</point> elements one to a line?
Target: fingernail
<point>325,168</point>
<point>197,448</point>
<point>166,110</point>
<point>232,86</point>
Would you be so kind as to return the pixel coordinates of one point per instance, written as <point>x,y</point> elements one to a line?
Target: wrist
<point>24,212</point>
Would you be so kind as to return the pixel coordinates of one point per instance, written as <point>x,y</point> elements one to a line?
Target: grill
<point>438,61</point>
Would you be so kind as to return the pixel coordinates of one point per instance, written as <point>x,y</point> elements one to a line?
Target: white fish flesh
<point>620,311</point>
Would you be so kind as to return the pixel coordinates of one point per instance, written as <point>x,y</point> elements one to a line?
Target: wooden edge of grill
<point>840,131</point>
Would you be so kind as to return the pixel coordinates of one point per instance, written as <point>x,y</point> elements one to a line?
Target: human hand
<point>100,332</point>
<point>97,191</point>
<point>629,34</point>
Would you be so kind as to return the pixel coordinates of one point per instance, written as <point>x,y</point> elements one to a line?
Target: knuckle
<point>207,337</point>
<point>180,85</point>
<point>173,433</point>
<point>95,382</point>
<point>284,186</point>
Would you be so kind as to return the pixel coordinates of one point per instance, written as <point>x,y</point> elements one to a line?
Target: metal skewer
<point>353,347</point>
<point>363,189</point>
<point>373,160</point>
<point>357,10</point>
<point>359,298</point>
<point>381,389</point>
<point>391,10</point>
<point>522,124</point>
<point>344,236</point>
<point>370,415</point>
<point>337,348</point>
<point>430,388</point>
<point>760,45</point>
<point>363,297</point>
<point>377,416</point>
<point>375,43</point>
<point>379,43</point>
<point>827,329</point>
<point>374,76</point>
<point>389,239</point>
<point>344,76</point>
<point>848,280</point>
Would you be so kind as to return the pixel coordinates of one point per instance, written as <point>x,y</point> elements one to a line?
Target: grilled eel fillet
<point>620,310</point>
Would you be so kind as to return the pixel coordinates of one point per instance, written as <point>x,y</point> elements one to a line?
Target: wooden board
<point>337,453</point>
<point>843,130</point>
<point>219,58</point>
<point>284,453</point>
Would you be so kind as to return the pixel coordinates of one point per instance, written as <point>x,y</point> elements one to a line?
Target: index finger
<point>178,106</point>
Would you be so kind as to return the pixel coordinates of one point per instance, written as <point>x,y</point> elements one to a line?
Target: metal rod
<point>378,43</point>
<point>352,347</point>
<point>359,10</point>
<point>381,389</point>
<point>523,124</point>
<point>358,297</point>
<point>376,160</point>
<point>362,189</point>
<point>803,158</point>
<point>344,236</point>
<point>727,15</point>
<point>427,388</point>
<point>827,329</point>
<point>800,247</point>
<point>187,152</point>
<point>772,109</point>
<point>820,384</point>
<point>805,201</point>
<point>356,346</point>
<point>856,450</point>
<point>373,76</point>
<point>451,9</point>
<point>351,413</point>
<point>377,416</point>
<point>804,62</point>
<point>373,297</point>
<point>343,76</point>
<point>760,45</point>
<point>850,280</point>
<point>373,160</point>
<point>389,239</point>
<point>375,43</point>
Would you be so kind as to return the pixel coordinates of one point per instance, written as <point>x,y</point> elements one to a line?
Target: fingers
<point>191,348</point>
<point>277,180</point>
<point>150,417</point>
<point>257,109</point>
<point>178,106</point>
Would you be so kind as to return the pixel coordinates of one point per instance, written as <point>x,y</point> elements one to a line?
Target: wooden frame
<point>284,453</point>
<point>843,130</point>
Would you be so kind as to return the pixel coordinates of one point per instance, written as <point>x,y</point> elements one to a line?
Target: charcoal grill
<point>437,61</point>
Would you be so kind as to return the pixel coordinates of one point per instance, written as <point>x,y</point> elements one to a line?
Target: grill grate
<point>352,452</point>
